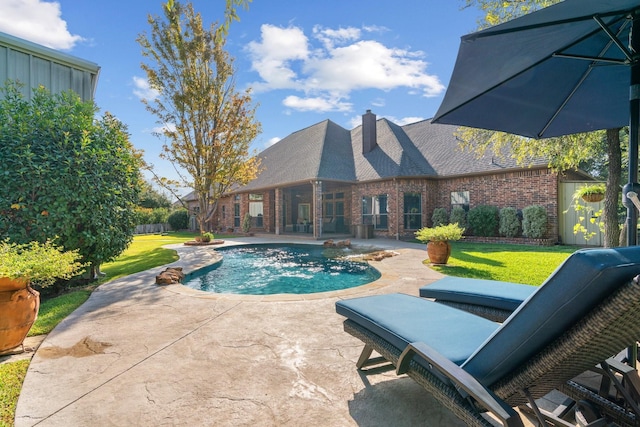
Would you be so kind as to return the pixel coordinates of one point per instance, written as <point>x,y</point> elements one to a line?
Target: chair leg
<point>364,356</point>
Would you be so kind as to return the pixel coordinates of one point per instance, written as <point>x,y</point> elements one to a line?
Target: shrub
<point>246,223</point>
<point>458,216</point>
<point>483,220</point>
<point>440,233</point>
<point>509,222</point>
<point>159,216</point>
<point>207,237</point>
<point>534,221</point>
<point>66,172</point>
<point>41,263</point>
<point>439,217</point>
<point>179,220</point>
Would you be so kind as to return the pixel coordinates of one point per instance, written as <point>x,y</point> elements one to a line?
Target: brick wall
<point>517,189</point>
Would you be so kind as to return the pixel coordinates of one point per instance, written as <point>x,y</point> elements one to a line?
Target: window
<point>236,214</point>
<point>374,211</point>
<point>256,210</point>
<point>461,199</point>
<point>412,211</point>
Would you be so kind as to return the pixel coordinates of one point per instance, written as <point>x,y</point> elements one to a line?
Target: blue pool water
<point>281,269</point>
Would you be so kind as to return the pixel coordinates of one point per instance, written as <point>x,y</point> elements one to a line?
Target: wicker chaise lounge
<point>585,313</point>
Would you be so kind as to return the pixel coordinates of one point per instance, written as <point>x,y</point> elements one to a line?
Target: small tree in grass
<point>208,124</point>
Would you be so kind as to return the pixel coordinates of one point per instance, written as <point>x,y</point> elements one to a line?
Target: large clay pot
<point>438,252</point>
<point>19,305</point>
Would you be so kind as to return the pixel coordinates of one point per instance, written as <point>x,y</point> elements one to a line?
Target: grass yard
<point>530,265</point>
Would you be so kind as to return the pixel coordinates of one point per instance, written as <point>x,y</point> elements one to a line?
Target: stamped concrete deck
<point>140,354</point>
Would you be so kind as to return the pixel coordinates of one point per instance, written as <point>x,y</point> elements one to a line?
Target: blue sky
<point>305,60</point>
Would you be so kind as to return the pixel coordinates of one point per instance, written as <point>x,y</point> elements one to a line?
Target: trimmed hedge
<point>458,216</point>
<point>534,221</point>
<point>483,220</point>
<point>439,217</point>
<point>179,220</point>
<point>509,222</point>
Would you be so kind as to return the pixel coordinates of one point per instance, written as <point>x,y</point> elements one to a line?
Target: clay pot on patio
<point>438,252</point>
<point>19,305</point>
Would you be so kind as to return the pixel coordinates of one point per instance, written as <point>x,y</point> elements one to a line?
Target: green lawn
<point>509,263</point>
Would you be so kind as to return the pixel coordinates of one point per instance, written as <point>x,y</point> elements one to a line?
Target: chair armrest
<point>462,380</point>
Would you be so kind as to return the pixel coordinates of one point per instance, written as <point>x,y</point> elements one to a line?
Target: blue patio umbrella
<point>568,68</point>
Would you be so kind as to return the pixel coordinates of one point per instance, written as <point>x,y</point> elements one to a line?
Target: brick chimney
<point>369,137</point>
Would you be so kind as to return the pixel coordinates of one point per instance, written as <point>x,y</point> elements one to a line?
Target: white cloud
<point>330,37</point>
<point>143,90</point>
<point>318,104</point>
<point>272,141</point>
<point>340,62</point>
<point>356,121</point>
<point>274,56</point>
<point>37,21</point>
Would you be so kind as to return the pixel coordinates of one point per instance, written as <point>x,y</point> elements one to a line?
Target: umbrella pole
<point>634,126</point>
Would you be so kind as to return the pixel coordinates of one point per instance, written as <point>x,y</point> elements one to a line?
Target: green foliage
<point>66,173</point>
<point>590,189</point>
<point>483,220</point>
<point>11,379</point>
<point>151,216</point>
<point>41,263</point>
<point>151,198</point>
<point>440,233</point>
<point>439,217</point>
<point>207,237</point>
<point>213,123</point>
<point>179,220</point>
<point>534,221</point>
<point>509,222</point>
<point>458,216</point>
<point>586,212</point>
<point>246,223</point>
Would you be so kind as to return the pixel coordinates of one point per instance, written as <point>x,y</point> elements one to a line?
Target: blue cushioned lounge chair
<point>582,315</point>
<point>492,299</point>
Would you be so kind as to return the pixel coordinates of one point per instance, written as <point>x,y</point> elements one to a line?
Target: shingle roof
<point>327,151</point>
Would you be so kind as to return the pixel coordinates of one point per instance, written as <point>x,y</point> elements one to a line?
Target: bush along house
<point>382,180</point>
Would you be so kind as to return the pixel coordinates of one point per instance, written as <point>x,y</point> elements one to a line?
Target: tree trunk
<point>611,226</point>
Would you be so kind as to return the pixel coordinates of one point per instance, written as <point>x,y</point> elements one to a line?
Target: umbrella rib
<point>614,39</point>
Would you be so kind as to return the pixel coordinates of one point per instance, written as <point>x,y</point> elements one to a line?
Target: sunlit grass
<point>11,379</point>
<point>509,263</point>
<point>145,252</point>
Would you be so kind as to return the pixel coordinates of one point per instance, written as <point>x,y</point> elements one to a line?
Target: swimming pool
<point>281,269</point>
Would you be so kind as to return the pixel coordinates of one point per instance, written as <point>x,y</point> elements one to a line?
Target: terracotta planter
<point>19,306</point>
<point>438,252</point>
<point>593,198</point>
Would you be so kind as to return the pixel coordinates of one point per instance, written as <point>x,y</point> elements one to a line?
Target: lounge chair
<point>584,313</point>
<point>491,299</point>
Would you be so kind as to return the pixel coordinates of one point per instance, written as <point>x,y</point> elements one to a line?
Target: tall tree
<point>66,174</point>
<point>564,152</point>
<point>208,124</point>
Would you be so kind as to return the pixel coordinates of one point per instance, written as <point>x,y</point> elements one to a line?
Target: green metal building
<point>34,65</point>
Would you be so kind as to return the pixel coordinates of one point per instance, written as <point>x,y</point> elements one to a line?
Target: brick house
<point>380,179</point>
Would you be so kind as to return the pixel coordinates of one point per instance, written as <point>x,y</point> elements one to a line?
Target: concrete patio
<point>140,354</point>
